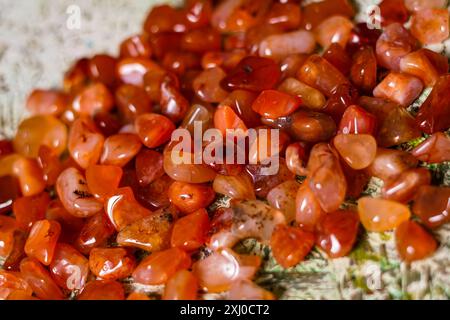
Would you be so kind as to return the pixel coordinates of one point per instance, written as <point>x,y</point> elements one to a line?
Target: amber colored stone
<point>28,210</point>
<point>198,13</point>
<point>46,102</point>
<point>274,104</point>
<point>189,232</point>
<point>322,75</point>
<point>181,286</point>
<point>132,70</point>
<point>153,82</point>
<point>398,127</point>
<point>326,179</point>
<point>95,233</point>
<point>393,44</point>
<point>173,104</point>
<point>358,150</point>
<point>290,65</point>
<point>290,245</point>
<point>246,15</point>
<point>75,195</point>
<point>39,279</point>
<point>435,149</point>
<point>356,120</point>
<point>390,163</point>
<point>254,40</point>
<point>51,165</point>
<point>107,123</point>
<point>414,242</point>
<point>405,186</point>
<point>338,57</point>
<point>222,268</point>
<point>132,101</point>
<point>149,166</point>
<point>310,98</point>
<point>380,108</point>
<point>418,65</point>
<point>225,118</point>
<point>400,88</point>
<point>254,74</point>
<point>393,11</point>
<point>14,243</point>
<point>362,36</point>
<point>363,72</point>
<point>137,46</point>
<point>285,15</point>
<point>102,290</point>
<point>40,130</point>
<point>227,60</point>
<point>7,227</point>
<point>238,187</point>
<point>70,225</point>
<point>120,149</point>
<point>308,209</point>
<point>103,180</point>
<point>357,180</point>
<point>30,176</point>
<point>160,266</point>
<point>430,25</point>
<point>151,233</point>
<point>200,113</point>
<point>101,68</point>
<point>418,5</point>
<point>161,43</point>
<point>42,240</point>
<point>379,215</point>
<point>180,61</point>
<point>92,99</point>
<point>240,101</point>
<point>434,114</point>
<point>201,40</point>
<point>432,205</point>
<point>337,232</point>
<point>279,46</point>
<point>335,29</point>
<point>282,197</point>
<point>164,18</point>
<point>77,76</point>
<point>111,263</point>
<point>190,197</point>
<point>342,97</point>
<point>316,12</point>
<point>154,129</point>
<point>69,268</point>
<point>9,191</point>
<point>207,85</point>
<point>11,282</point>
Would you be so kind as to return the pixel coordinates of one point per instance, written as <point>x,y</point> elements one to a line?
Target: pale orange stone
<point>336,29</point>
<point>430,26</point>
<point>358,150</point>
<point>400,88</point>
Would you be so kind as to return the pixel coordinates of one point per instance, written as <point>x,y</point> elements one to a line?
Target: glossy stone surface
<point>308,209</point>
<point>316,12</point>
<point>278,46</point>
<point>311,98</point>
<point>154,129</point>
<point>414,242</point>
<point>282,197</point>
<point>405,186</point>
<point>92,99</point>
<point>432,205</point>
<point>94,233</point>
<point>389,163</point>
<point>238,187</point>
<point>189,232</point>
<point>132,101</point>
<point>379,215</point>
<point>400,88</point>
<point>42,240</point>
<point>393,11</point>
<point>358,150</point>
<point>189,198</point>
<point>335,29</point>
<point>181,286</point>
<point>275,104</point>
<point>102,180</point>
<point>46,102</point>
<point>435,149</point>
<point>430,25</point>
<point>207,85</point>
<point>363,72</point>
<point>119,149</point>
<point>338,57</point>
<point>356,120</point>
<point>111,263</point>
<point>102,290</point>
<point>398,127</point>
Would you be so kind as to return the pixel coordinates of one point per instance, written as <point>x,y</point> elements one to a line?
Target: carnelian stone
<point>311,98</point>
<point>335,29</point>
<point>400,88</point>
<point>337,232</point>
<point>207,85</point>
<point>434,114</point>
<point>77,76</point>
<point>92,99</point>
<point>132,70</point>
<point>180,61</point>
<point>149,166</point>
<point>173,104</point>
<point>30,176</point>
<point>190,197</point>
<point>41,242</point>
<point>162,43</point>
<point>160,266</point>
<point>290,245</point>
<point>189,232</point>
<point>111,263</point>
<point>198,113</point>
<point>430,25</point>
<point>123,209</point>
<point>181,286</point>
<point>154,129</point>
<point>356,120</point>
<point>28,210</point>
<point>282,197</point>
<point>419,65</point>
<point>308,209</point>
<point>101,68</point>
<point>46,102</point>
<point>237,187</point>
<point>151,233</point>
<point>11,282</point>
<point>285,15</point>
<point>279,46</point>
<point>405,186</point>
<point>254,74</point>
<point>103,180</point>
<point>247,290</point>
<point>120,149</point>
<point>274,104</point>
<point>338,57</point>
<point>414,242</point>
<point>9,191</point>
<point>240,101</point>
<point>50,164</point>
<point>379,215</point>
<point>393,11</point>
<point>39,279</point>
<point>102,290</point>
<point>107,123</point>
<point>291,63</point>
<point>389,163</point>
<point>201,40</point>
<point>137,46</point>
<point>435,149</point>
<point>432,205</point>
<point>316,12</point>
<point>358,150</point>
<point>363,72</point>
<point>341,98</point>
<point>362,36</point>
<point>6,148</point>
<point>69,268</point>
<point>7,227</point>
<point>225,118</point>
<point>95,233</point>
<point>164,18</point>
<point>132,101</point>
<point>154,80</point>
<point>70,225</point>
<point>296,158</point>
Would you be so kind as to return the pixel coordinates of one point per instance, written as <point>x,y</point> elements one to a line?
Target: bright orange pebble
<point>111,263</point>
<point>414,242</point>
<point>189,232</point>
<point>102,180</point>
<point>28,210</point>
<point>190,197</point>
<point>41,242</point>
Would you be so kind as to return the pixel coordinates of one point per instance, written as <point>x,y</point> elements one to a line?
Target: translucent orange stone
<point>120,149</point>
<point>39,279</point>
<point>151,233</point>
<point>154,80</point>
<point>290,245</point>
<point>290,65</point>
<point>393,11</point>
<point>322,75</point>
<point>418,5</point>
<point>240,101</point>
<point>338,57</point>
<point>418,64</point>
<point>102,290</point>
<point>132,70</point>
<point>154,129</point>
<point>179,62</point>
<point>435,149</point>
<point>189,232</point>
<point>357,180</point>
<point>337,232</point>
<point>200,113</point>
<point>222,268</point>
<point>7,227</point>
<point>225,118</point>
<point>69,268</point>
<point>74,194</point>
<point>103,180</point>
<point>42,240</point>
<point>434,114</point>
<point>111,263</point>
<point>160,266</point>
<point>28,210</point>
<point>414,242</point>
<point>282,197</point>
<point>247,290</point>
<point>274,104</point>
<point>358,150</point>
<point>20,295</point>
<point>132,101</point>
<point>51,165</point>
<point>13,242</point>
<point>173,104</point>
<point>400,88</point>
<point>335,29</point>
<point>430,25</point>
<point>363,72</point>
<point>6,148</point>
<point>389,163</point>
<point>95,233</point>
<point>92,99</point>
<point>357,120</point>
<point>432,205</point>
<point>253,74</point>
<point>46,102</point>
<point>285,15</point>
<point>379,215</point>
<point>237,187</point>
<point>149,166</point>
<point>280,45</point>
<point>296,158</point>
<point>326,179</point>
<point>207,85</point>
<point>11,282</point>
<point>316,12</point>
<point>123,209</point>
<point>181,286</point>
<point>77,76</point>
<point>405,186</point>
<point>308,209</point>
<point>9,191</point>
<point>201,40</point>
<point>70,225</point>
<point>137,46</point>
<point>40,130</point>
<point>101,68</point>
<point>190,197</point>
<point>311,98</point>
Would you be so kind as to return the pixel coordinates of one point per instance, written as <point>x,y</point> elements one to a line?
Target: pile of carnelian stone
<point>90,198</point>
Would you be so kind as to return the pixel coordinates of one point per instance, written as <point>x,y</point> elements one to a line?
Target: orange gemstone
<point>28,210</point>
<point>280,45</point>
<point>46,102</point>
<point>132,70</point>
<point>154,129</point>
<point>77,76</point>
<point>95,233</point>
<point>389,163</point>
<point>358,150</point>
<point>101,68</point>
<point>418,5</point>
<point>103,180</point>
<point>120,149</point>
<point>238,187</point>
<point>190,197</point>
<point>189,232</point>
<point>225,118</point>
<point>316,12</point>
<point>419,65</point>
<point>282,197</point>
<point>181,286</point>
<point>137,46</point>
<point>285,15</point>
<point>363,72</point>
<point>30,176</point>
<point>435,149</point>
<point>393,11</point>
<point>405,186</point>
<point>111,263</point>
<point>92,99</point>
<point>432,205</point>
<point>430,25</point>
<point>149,166</point>
<point>308,209</point>
<point>7,228</point>
<point>132,101</point>
<point>379,215</point>
<point>102,290</point>
<point>207,85</point>
<point>400,88</point>
<point>50,164</point>
<point>11,282</point>
<point>41,242</point>
<point>264,182</point>
<point>357,120</point>
<point>173,104</point>
<point>137,296</point>
<point>414,242</point>
<point>274,104</point>
<point>336,29</point>
<point>201,40</point>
